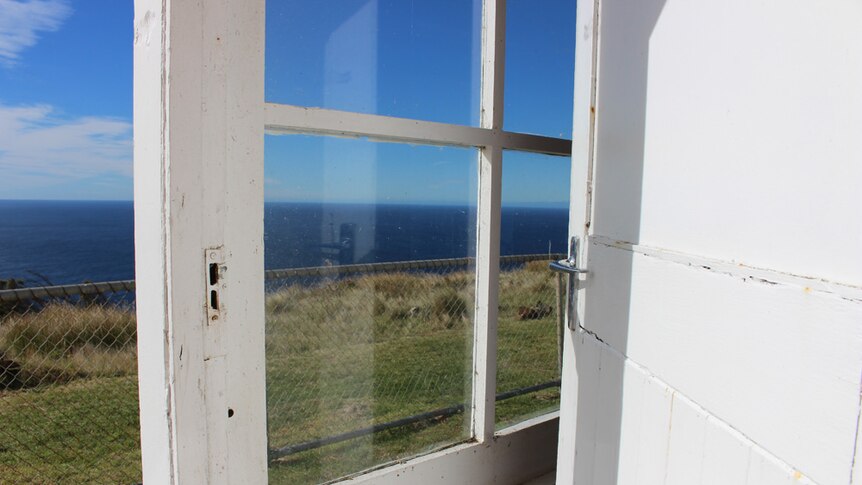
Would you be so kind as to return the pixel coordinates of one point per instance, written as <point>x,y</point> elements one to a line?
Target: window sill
<point>515,456</point>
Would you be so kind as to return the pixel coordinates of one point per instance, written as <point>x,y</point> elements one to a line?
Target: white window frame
<point>198,177</point>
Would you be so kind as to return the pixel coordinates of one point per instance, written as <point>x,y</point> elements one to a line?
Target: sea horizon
<point>55,242</point>
<point>528,204</point>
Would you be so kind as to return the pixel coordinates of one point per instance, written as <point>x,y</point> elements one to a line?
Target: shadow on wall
<point>626,27</point>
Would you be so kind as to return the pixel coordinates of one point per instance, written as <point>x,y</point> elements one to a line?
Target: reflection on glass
<point>540,67</point>
<point>534,225</point>
<point>417,59</point>
<point>368,352</point>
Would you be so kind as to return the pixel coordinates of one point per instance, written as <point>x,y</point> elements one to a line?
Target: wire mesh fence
<point>352,347</point>
<point>380,355</point>
<point>529,339</point>
<point>365,364</point>
<point>68,384</point>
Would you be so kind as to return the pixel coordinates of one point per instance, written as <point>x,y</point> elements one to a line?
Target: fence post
<point>561,324</point>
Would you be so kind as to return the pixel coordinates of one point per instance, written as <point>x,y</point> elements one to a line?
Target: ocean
<point>65,242</point>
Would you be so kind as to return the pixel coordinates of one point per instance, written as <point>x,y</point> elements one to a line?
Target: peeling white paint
<point>198,152</point>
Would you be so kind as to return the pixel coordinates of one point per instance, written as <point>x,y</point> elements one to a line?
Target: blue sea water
<point>63,242</point>
<point>50,242</point>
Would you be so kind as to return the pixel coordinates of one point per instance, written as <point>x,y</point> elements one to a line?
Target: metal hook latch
<point>569,266</point>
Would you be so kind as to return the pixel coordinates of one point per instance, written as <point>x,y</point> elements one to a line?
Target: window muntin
<point>351,345</point>
<point>386,57</point>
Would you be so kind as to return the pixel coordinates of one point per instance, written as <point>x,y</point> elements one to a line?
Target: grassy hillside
<point>341,354</point>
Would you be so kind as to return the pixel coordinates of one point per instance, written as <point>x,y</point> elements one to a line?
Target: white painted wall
<point>722,319</point>
<point>747,111</point>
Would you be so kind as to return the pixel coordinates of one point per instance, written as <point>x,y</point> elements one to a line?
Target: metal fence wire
<point>529,339</point>
<point>352,351</point>
<point>68,384</point>
<point>378,357</point>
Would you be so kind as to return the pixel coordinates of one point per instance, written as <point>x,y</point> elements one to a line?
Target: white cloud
<point>21,21</point>
<point>39,148</point>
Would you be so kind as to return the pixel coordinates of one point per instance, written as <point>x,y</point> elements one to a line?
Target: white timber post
<point>199,240</point>
<point>488,246</point>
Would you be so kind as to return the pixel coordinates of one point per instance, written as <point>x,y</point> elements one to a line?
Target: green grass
<point>346,355</point>
<point>341,355</point>
<point>69,407</point>
<point>62,434</point>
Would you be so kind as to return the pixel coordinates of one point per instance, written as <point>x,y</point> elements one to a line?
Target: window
<point>369,353</point>
<point>384,143</point>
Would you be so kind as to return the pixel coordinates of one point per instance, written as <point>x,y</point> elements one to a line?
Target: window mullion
<point>488,231</point>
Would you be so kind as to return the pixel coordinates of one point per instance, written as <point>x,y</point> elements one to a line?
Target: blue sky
<point>66,99</point>
<point>66,96</point>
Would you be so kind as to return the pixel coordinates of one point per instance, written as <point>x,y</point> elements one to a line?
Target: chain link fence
<point>372,363</point>
<point>352,348</point>
<point>529,339</point>
<point>365,364</point>
<point>68,384</point>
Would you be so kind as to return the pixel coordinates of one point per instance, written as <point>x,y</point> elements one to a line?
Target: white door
<point>716,334</point>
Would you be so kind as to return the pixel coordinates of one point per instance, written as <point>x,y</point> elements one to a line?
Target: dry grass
<point>69,409</point>
<point>340,354</point>
<point>63,342</point>
<point>346,356</point>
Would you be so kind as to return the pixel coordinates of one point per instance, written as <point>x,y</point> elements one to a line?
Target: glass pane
<point>540,67</point>
<point>417,59</point>
<point>534,228</point>
<point>368,351</point>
